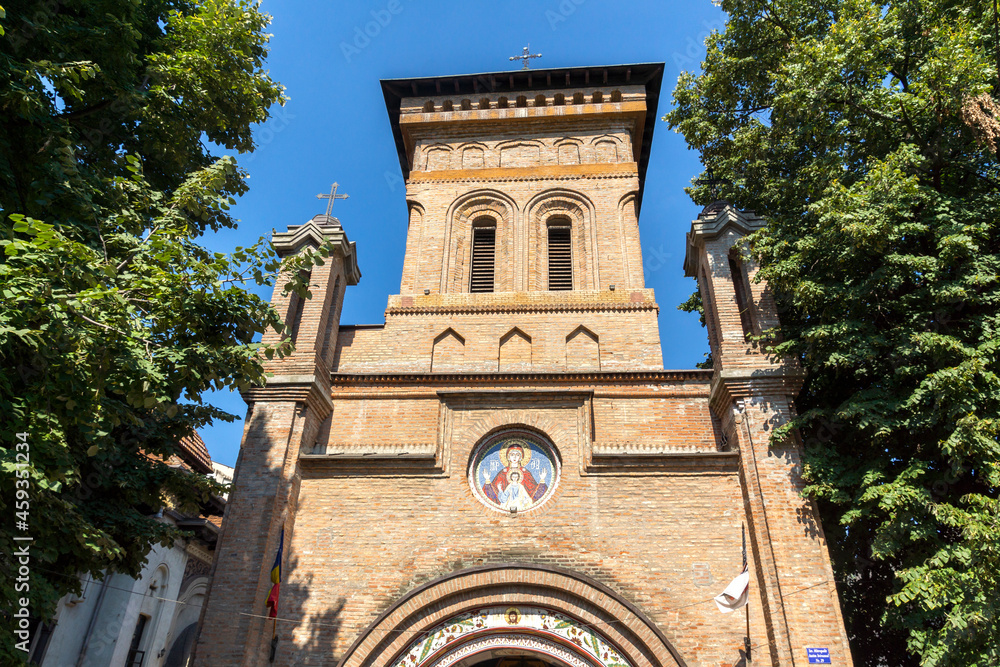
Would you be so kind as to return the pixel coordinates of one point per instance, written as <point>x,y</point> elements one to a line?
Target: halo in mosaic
<point>514,472</point>
<point>537,630</point>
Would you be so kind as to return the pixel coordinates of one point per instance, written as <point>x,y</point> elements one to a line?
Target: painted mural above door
<point>514,471</point>
<point>501,631</point>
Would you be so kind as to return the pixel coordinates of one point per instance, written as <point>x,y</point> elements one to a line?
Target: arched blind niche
<point>484,252</point>
<point>560,254</point>
<point>741,286</point>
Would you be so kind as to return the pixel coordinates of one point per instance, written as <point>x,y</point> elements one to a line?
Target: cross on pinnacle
<point>525,56</point>
<point>713,183</point>
<point>333,196</point>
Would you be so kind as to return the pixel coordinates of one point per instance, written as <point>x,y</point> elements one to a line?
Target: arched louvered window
<point>560,256</point>
<point>484,246</point>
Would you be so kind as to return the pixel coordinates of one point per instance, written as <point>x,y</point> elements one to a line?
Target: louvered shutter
<point>560,259</point>
<point>483,259</point>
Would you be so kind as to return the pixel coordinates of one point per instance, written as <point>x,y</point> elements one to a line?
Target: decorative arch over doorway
<point>563,618</point>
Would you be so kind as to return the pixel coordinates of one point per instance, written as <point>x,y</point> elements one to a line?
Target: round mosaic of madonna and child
<point>514,472</point>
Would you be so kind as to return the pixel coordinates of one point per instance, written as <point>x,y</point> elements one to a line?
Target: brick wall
<point>377,533</point>
<point>621,325</point>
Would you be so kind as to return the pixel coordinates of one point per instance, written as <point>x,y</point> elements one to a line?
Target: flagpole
<point>272,596</point>
<point>746,640</point>
<point>274,640</point>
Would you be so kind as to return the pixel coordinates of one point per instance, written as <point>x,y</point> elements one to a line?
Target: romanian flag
<point>272,597</point>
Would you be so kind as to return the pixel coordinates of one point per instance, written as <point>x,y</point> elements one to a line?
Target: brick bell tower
<point>753,393</point>
<point>502,470</point>
<point>282,420</point>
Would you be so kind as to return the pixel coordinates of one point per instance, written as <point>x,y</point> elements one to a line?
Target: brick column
<point>752,394</point>
<point>283,420</point>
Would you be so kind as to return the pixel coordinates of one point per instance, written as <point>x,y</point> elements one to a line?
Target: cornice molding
<point>307,389</point>
<point>522,308</point>
<point>575,172</point>
<point>480,379</point>
<point>713,222</point>
<point>607,458</point>
<point>316,232</point>
<point>517,178</point>
<point>729,385</point>
<point>377,450</point>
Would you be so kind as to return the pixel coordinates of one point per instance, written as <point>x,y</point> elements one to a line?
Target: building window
<point>135,656</point>
<point>484,243</point>
<point>560,258</point>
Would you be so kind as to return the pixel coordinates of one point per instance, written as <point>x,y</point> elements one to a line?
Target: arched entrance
<point>512,615</point>
<point>512,636</point>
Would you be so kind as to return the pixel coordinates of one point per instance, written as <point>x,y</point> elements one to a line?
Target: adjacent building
<point>150,621</point>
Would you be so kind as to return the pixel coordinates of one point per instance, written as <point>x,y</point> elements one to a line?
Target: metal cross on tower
<point>713,183</point>
<point>333,196</point>
<point>525,56</point>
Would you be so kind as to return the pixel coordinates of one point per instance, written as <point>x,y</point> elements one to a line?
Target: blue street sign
<point>818,656</point>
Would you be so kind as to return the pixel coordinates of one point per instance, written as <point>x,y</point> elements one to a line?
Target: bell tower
<point>752,393</point>
<point>283,419</point>
<point>523,196</point>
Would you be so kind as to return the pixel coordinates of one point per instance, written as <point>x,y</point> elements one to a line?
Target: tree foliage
<point>867,134</point>
<point>114,320</point>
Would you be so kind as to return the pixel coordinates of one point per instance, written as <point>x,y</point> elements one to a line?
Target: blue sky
<point>330,57</point>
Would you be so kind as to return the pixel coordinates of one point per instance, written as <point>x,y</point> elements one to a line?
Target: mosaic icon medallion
<point>514,472</point>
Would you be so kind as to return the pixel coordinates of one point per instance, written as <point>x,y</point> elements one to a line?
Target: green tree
<point>114,320</point>
<point>867,134</point>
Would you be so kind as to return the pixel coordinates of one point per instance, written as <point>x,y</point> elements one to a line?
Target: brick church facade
<point>503,474</point>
